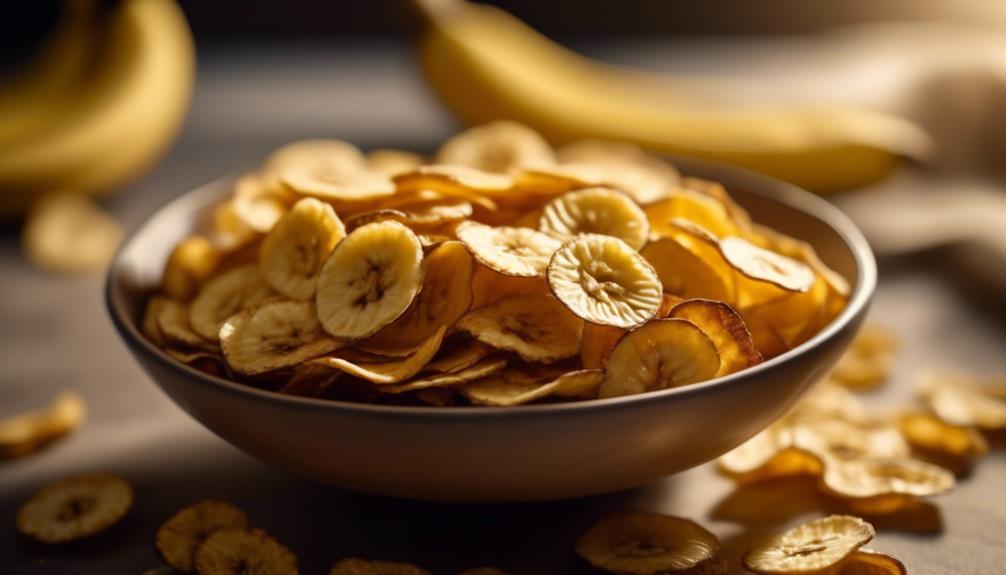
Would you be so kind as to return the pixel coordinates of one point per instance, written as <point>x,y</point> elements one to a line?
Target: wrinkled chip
<point>604,281</point>
<point>704,211</point>
<point>338,187</point>
<point>866,562</point>
<point>483,368</point>
<point>645,178</point>
<point>838,440</point>
<point>69,233</point>
<point>230,292</point>
<point>393,162</point>
<point>956,400</point>
<point>661,354</point>
<point>881,476</point>
<point>295,249</point>
<point>421,216</point>
<point>75,508</point>
<point>180,536</point>
<point>369,280</point>
<point>356,566</point>
<point>930,434</point>
<point>390,371</point>
<point>725,327</point>
<point>25,433</point>
<point>458,355</point>
<point>536,327</point>
<point>244,552</point>
<point>811,547</point>
<point>169,323</point>
<point>501,392</point>
<point>258,205</point>
<point>277,334</point>
<point>476,186</point>
<point>190,264</point>
<point>596,211</point>
<point>646,544</point>
<point>767,266</point>
<point>500,147</point>
<point>685,271</point>
<point>520,252</point>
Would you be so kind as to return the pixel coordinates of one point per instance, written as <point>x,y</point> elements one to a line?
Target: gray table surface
<point>55,335</point>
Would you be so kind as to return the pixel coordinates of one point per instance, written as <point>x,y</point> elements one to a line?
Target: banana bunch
<point>487,65</point>
<point>101,103</point>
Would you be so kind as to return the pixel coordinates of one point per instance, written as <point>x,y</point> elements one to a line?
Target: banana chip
<point>390,371</point>
<point>646,544</point>
<point>393,162</point>
<point>244,552</point>
<point>536,327</point>
<point>339,188</point>
<point>957,400</point>
<point>25,433</point>
<point>811,547</point>
<point>725,327</point>
<point>355,566</point>
<point>460,355</point>
<point>75,508</point>
<point>604,281</point>
<point>757,451</point>
<point>295,249</point>
<point>321,155</point>
<point>232,291</point>
<point>766,266</point>
<point>501,147</point>
<point>483,368</point>
<point>498,391</point>
<point>490,286</point>
<point>597,343</point>
<point>691,207</point>
<point>645,178</point>
<point>931,435</point>
<point>69,233</point>
<point>866,562</point>
<point>275,335</point>
<point>476,186</point>
<point>190,264</point>
<point>519,252</point>
<point>660,354</point>
<point>596,211</point>
<point>172,323</point>
<point>257,205</point>
<point>684,271</point>
<point>878,477</point>
<point>180,536</point>
<point>421,216</point>
<point>369,280</point>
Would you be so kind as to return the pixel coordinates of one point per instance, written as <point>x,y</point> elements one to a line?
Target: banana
<point>118,120</point>
<point>293,252</point>
<point>500,147</point>
<point>235,290</point>
<point>486,65</point>
<point>596,211</point>
<point>518,252</point>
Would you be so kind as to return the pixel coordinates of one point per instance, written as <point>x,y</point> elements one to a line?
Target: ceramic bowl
<point>533,452</point>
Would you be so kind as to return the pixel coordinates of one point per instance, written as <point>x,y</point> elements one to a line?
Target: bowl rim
<point>771,188</point>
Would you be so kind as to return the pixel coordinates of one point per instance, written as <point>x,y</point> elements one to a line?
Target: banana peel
<point>487,65</point>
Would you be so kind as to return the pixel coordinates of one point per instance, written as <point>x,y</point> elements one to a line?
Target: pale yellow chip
<point>369,280</point>
<point>391,162</point>
<point>958,401</point>
<point>501,147</point>
<point>75,508</point>
<point>725,327</point>
<point>244,551</point>
<point>421,216</point>
<point>256,204</point>
<point>69,233</point>
<point>388,372</point>
<point>323,155</point>
<point>229,231</point>
<point>501,392</point>
<point>646,544</point>
<point>180,536</point>
<point>686,271</point>
<point>661,354</point>
<point>482,368</point>
<point>766,266</point>
<point>293,252</point>
<point>27,432</point>
<point>355,566</point>
<point>811,547</point>
<point>277,334</point>
<point>931,435</point>
<point>362,186</point>
<point>877,477</point>
<point>536,327</point>
<point>230,292</point>
<point>596,211</point>
<point>476,186</point>
<point>827,400</point>
<point>837,441</point>
<point>603,280</point>
<point>645,178</point>
<point>190,264</point>
<point>519,252</point>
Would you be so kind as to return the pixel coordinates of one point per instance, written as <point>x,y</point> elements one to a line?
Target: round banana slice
<point>835,440</point>
<point>960,404</point>
<point>422,216</point>
<point>393,162</point>
<point>500,147</point>
<point>225,295</point>
<point>293,252</point>
<point>646,544</point>
<point>277,334</point>
<point>519,252</point>
<point>603,280</point>
<point>866,562</point>
<point>931,435</point>
<point>881,476</point>
<point>257,204</point>
<point>501,392</point>
<point>692,207</point>
<point>25,433</point>
<point>180,536</point>
<point>445,297</point>
<point>244,552</point>
<point>684,271</point>
<point>645,178</point>
<point>69,233</point>
<point>811,547</point>
<point>725,327</point>
<point>339,187</point>
<point>318,154</point>
<point>476,186</point>
<point>190,264</point>
<point>766,266</point>
<point>369,280</point>
<point>483,368</point>
<point>173,323</point>
<point>75,508</point>
<point>355,566</point>
<point>660,354</point>
<point>536,327</point>
<point>229,231</point>
<point>596,211</point>
<point>390,371</point>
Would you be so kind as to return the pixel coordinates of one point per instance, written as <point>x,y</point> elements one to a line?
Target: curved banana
<point>487,65</point>
<point>122,116</point>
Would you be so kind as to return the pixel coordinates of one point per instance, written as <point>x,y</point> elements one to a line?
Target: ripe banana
<point>94,133</point>
<point>487,65</point>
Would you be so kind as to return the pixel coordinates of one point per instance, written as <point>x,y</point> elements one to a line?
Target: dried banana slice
<point>369,280</point>
<point>421,216</point>
<point>338,187</point>
<point>460,355</point>
<point>500,147</point>
<point>244,552</point>
<point>520,252</point>
<point>476,186</point>
<point>490,286</point>
<point>75,508</point>
<point>258,204</point>
<point>483,368</point>
<point>866,562</point>
<point>190,264</point>
<point>277,334</point>
<point>931,435</point>
<point>597,343</point>
<point>958,403</point>
<point>684,271</point>
<point>693,208</point>
<point>596,211</point>
<point>876,477</point>
<point>811,547</point>
<point>232,291</point>
<point>645,178</point>
<point>445,297</point>
<point>766,266</point>
<point>25,433</point>
<point>725,327</point>
<point>355,566</point>
<point>390,371</point>
<point>180,536</point>
<point>603,280</point>
<point>393,162</point>
<point>293,252</point>
<point>173,324</point>
<point>646,544</point>
<point>660,354</point>
<point>69,233</point>
<point>316,154</point>
<point>835,440</point>
<point>536,327</point>
<point>500,392</point>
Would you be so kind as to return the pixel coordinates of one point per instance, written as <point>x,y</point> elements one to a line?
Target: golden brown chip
<point>866,562</point>
<point>393,162</point>
<point>499,391</point>
<point>811,547</point>
<point>660,354</point>
<point>75,508</point>
<point>474,185</point>
<point>244,552</point>
<point>421,216</point>
<point>766,266</point>
<point>390,371</point>
<point>483,368</point>
<point>458,355</point>
<point>597,343</point>
<point>170,323</point>
<point>277,334</point>
<point>339,188</point>
<point>180,536</point>
<point>929,434</point>
<point>232,291</point>
<point>727,330</point>
<point>875,477</point>
<point>596,211</point>
<point>604,281</point>
<point>520,252</point>
<point>25,433</point>
<point>536,327</point>
<point>489,286</point>
<point>190,264</point>
<point>645,178</point>
<point>646,544</point>
<point>257,204</point>
<point>687,271</point>
<point>69,233</point>
<point>500,147</point>
<point>294,250</point>
<point>699,209</point>
<point>355,566</point>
